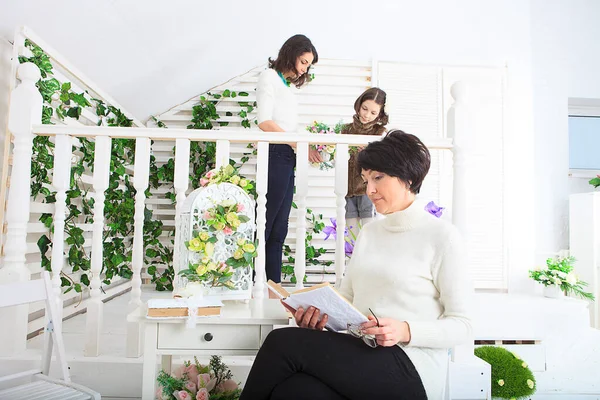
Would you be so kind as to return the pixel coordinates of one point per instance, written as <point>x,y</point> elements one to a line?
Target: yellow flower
<point>235,179</point>
<point>212,266</point>
<point>205,260</point>
<point>530,383</point>
<point>249,248</point>
<point>330,149</point>
<point>219,226</point>
<point>204,236</point>
<point>501,382</point>
<point>243,183</point>
<point>239,253</point>
<point>236,223</point>
<point>524,365</point>
<point>231,217</point>
<point>228,170</point>
<point>241,241</point>
<point>201,270</point>
<point>195,244</point>
<point>209,249</point>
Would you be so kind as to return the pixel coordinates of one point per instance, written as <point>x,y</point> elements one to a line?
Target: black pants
<point>280,192</point>
<point>297,363</point>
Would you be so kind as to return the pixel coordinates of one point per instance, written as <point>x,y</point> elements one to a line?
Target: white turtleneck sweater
<point>411,266</point>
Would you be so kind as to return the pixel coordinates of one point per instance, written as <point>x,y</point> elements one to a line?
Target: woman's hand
<point>389,332</point>
<point>314,156</point>
<point>311,318</point>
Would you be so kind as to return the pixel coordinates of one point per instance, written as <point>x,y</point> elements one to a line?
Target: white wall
<point>150,55</point>
<point>566,64</point>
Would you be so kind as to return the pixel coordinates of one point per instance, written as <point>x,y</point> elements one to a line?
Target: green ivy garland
<point>119,202</point>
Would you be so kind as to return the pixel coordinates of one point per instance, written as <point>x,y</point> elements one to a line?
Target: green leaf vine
<point>60,102</point>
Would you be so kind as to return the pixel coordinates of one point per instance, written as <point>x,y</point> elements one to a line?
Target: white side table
<point>239,330</point>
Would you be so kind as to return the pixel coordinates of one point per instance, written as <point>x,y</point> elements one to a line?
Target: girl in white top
<point>408,273</point>
<point>278,112</point>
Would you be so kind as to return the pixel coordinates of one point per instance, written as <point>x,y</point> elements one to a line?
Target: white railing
<point>24,123</point>
<point>74,302</point>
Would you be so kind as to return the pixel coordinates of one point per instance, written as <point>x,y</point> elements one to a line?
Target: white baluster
<point>140,183</point>
<point>181,182</point>
<point>222,156</point>
<point>262,178</point>
<point>301,192</point>
<point>25,110</point>
<point>95,309</point>
<point>61,178</point>
<point>341,189</point>
<point>458,130</point>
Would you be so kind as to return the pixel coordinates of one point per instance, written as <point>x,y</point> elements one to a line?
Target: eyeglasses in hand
<point>356,331</point>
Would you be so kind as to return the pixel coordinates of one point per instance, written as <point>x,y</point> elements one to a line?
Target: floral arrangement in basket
<point>221,222</point>
<point>559,271</point>
<point>228,174</point>
<point>195,381</point>
<point>327,152</point>
<point>225,217</point>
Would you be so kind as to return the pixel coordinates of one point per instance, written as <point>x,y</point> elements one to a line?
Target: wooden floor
<point>572,363</point>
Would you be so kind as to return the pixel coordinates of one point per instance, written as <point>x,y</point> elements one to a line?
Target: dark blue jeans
<point>280,192</point>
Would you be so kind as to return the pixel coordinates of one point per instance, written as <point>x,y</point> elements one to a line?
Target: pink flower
<point>202,394</point>
<point>227,230</point>
<point>223,267</point>
<point>227,386</point>
<point>191,386</point>
<point>191,372</point>
<point>204,381</point>
<point>240,207</point>
<point>158,393</point>
<point>203,182</point>
<point>182,395</point>
<point>209,174</point>
<point>178,373</point>
<point>206,215</point>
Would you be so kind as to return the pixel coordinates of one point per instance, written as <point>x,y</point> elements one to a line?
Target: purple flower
<point>433,209</point>
<point>331,230</point>
<point>348,248</point>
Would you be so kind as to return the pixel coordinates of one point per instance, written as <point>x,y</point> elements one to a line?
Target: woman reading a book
<point>409,270</point>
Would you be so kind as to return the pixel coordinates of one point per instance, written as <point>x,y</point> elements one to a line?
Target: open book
<point>339,311</point>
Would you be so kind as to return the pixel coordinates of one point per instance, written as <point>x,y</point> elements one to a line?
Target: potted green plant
<point>558,278</point>
<point>595,182</point>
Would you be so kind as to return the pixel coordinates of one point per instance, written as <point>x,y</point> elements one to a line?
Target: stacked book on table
<point>180,307</point>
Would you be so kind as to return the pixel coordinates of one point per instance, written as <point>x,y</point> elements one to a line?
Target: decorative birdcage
<point>216,243</point>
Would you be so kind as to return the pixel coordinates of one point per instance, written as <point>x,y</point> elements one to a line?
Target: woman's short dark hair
<point>379,97</point>
<point>398,154</point>
<point>293,48</point>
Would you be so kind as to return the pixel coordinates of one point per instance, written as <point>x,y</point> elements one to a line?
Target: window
<point>584,142</point>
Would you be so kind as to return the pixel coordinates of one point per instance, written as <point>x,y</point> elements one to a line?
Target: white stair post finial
<point>25,110</point>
